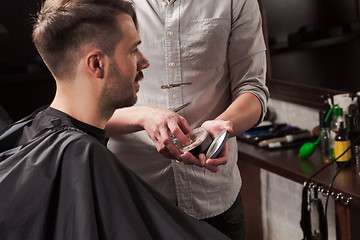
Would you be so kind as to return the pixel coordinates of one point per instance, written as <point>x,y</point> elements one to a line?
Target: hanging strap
<point>305,221</point>
<point>321,215</point>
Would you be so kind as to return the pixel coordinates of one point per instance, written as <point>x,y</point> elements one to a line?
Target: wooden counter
<point>286,163</point>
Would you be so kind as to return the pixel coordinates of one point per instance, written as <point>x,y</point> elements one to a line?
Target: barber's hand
<point>158,123</point>
<point>221,159</point>
<point>213,127</point>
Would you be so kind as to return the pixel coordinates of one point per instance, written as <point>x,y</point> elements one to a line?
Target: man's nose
<point>143,63</point>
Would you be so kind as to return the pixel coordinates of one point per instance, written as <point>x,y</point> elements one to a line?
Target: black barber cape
<point>59,181</point>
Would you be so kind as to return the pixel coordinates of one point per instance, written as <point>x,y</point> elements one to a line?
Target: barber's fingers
<point>213,165</point>
<point>188,158</point>
<point>222,159</point>
<point>216,162</point>
<point>179,128</point>
<point>171,123</point>
<point>184,125</point>
<point>215,126</point>
<point>165,146</point>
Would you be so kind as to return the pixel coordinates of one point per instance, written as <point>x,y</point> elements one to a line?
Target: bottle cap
<point>338,111</point>
<point>217,144</point>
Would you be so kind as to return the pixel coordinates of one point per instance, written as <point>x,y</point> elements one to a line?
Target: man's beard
<point>118,87</point>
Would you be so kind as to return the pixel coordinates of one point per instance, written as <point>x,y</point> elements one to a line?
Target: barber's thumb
<point>202,159</point>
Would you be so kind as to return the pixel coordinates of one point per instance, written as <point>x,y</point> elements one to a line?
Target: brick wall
<point>281,198</point>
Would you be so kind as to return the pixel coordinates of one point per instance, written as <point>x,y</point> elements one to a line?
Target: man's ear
<point>96,63</point>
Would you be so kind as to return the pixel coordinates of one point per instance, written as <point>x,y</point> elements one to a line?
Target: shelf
<point>285,47</point>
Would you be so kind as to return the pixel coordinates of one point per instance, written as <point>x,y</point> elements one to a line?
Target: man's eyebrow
<point>136,44</point>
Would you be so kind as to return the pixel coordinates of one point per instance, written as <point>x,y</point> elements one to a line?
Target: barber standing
<point>208,69</point>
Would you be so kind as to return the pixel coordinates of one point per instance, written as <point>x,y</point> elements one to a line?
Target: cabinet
<point>313,48</point>
<point>286,163</point>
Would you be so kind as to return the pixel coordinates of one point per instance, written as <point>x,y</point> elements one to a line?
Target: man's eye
<point>134,51</point>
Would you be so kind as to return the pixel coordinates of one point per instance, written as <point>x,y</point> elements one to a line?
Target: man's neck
<point>84,114</point>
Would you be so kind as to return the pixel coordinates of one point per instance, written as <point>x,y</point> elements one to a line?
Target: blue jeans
<point>231,222</point>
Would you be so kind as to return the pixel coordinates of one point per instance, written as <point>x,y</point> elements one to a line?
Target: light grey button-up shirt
<point>203,54</point>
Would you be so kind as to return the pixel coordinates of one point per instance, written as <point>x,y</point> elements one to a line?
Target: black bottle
<point>352,125</point>
<point>325,129</point>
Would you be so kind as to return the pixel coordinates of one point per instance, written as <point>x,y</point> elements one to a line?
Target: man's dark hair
<point>62,27</point>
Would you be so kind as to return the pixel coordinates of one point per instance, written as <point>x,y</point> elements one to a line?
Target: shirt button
<point>172,64</point>
<point>174,96</point>
<point>171,34</point>
<point>164,4</point>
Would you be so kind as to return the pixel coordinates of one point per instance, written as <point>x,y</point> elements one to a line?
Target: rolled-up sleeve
<point>246,53</point>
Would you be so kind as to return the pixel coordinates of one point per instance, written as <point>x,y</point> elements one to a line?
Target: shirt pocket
<point>205,43</point>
